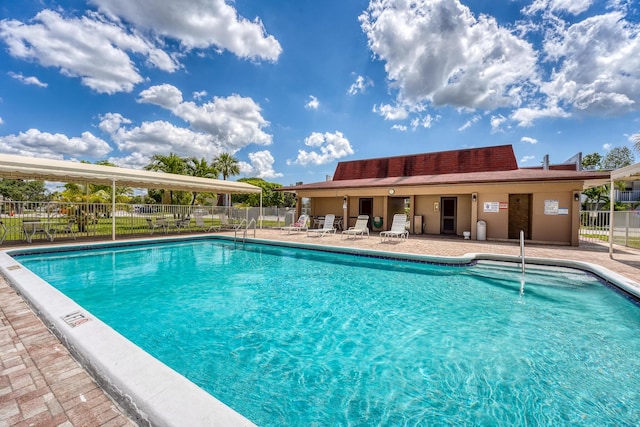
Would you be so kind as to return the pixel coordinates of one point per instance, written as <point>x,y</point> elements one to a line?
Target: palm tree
<point>227,165</point>
<point>168,164</point>
<point>200,168</point>
<point>636,142</point>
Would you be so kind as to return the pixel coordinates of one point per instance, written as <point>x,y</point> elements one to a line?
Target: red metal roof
<point>485,159</point>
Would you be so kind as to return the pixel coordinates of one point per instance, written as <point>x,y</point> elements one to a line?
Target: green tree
<point>592,161</point>
<point>227,165</point>
<point>200,168</point>
<point>270,197</point>
<point>23,191</point>
<point>168,164</point>
<point>618,157</point>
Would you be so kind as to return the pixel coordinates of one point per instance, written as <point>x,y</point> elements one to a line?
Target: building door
<point>366,208</point>
<point>448,215</point>
<point>519,215</point>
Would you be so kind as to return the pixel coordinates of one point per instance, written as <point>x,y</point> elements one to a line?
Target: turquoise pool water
<point>305,338</point>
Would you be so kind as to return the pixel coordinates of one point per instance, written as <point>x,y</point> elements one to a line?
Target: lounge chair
<point>398,228</point>
<point>299,225</point>
<point>327,227</point>
<point>203,226</point>
<point>360,228</point>
<point>225,224</point>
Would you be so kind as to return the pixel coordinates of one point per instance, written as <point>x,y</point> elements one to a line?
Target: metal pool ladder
<point>245,228</point>
<point>522,250</point>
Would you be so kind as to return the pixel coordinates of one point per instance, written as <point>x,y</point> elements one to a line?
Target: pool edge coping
<point>142,390</point>
<point>150,392</point>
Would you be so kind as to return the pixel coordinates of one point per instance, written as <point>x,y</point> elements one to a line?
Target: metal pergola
<point>32,168</point>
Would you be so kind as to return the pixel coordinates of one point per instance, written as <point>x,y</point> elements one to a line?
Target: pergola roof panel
<point>20,167</point>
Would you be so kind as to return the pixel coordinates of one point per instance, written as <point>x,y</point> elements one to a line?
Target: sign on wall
<point>491,206</point>
<point>551,207</point>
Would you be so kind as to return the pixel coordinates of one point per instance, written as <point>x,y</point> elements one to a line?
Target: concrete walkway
<point>42,385</point>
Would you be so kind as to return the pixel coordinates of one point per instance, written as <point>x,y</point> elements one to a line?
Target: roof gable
<point>485,159</point>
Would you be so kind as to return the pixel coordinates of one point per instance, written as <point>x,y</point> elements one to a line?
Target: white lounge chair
<point>398,228</point>
<point>327,227</point>
<point>203,226</point>
<point>226,224</point>
<point>360,228</point>
<point>299,225</point>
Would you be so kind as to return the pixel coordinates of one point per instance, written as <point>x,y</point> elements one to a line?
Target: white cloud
<point>574,7</point>
<point>469,123</point>
<point>35,143</point>
<point>232,122</point>
<point>132,161</point>
<point>525,159</point>
<point>31,80</point>
<point>526,116</point>
<point>1,121</point>
<point>425,122</point>
<point>332,146</point>
<point>400,128</point>
<point>199,94</point>
<point>197,24</point>
<point>360,85</point>
<point>607,146</point>
<point>89,47</point>
<point>162,137</point>
<point>528,140</point>
<point>436,51</point>
<point>496,123</point>
<point>261,165</point>
<point>596,63</point>
<point>312,104</point>
<point>389,112</point>
<point>165,95</point>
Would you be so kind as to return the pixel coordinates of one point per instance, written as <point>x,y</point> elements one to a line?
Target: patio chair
<point>159,223</point>
<point>299,225</point>
<point>200,224</point>
<point>182,224</point>
<point>360,228</point>
<point>327,227</point>
<point>65,228</point>
<point>398,229</point>
<point>9,229</point>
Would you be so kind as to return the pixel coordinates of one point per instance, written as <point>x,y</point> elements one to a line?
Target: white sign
<point>551,207</point>
<point>492,206</point>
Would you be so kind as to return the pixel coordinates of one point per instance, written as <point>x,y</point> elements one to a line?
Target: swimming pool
<point>295,337</point>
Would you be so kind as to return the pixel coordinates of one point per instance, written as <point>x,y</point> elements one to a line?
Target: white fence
<point>57,220</point>
<point>594,227</point>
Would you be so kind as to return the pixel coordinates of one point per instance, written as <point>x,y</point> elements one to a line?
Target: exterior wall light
<point>392,191</point>
<point>474,197</point>
<point>576,197</point>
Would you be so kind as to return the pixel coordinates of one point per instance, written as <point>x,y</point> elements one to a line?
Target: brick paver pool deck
<point>41,384</point>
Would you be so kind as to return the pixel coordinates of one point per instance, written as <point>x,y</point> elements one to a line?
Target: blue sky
<point>292,87</point>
